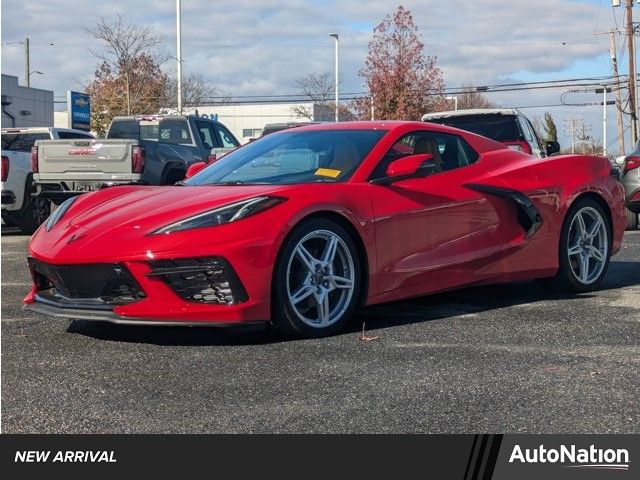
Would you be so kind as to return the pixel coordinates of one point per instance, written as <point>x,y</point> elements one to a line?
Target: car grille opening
<point>208,280</point>
<point>85,285</point>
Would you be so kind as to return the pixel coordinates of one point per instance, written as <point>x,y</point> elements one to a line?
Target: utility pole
<point>179,53</point>
<point>372,110</point>
<point>576,128</point>
<point>27,66</point>
<point>617,87</point>
<point>632,72</point>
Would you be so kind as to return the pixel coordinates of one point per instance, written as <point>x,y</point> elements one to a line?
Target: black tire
<point>566,280</point>
<point>8,219</point>
<point>632,220</point>
<point>31,216</point>
<point>284,317</point>
<point>174,176</point>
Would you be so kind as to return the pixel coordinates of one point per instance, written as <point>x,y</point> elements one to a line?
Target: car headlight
<point>58,213</point>
<point>221,215</point>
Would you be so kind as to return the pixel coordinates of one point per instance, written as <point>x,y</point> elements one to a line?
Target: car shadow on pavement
<point>419,310</point>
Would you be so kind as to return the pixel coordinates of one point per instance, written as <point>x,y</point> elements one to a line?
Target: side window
<point>71,135</point>
<point>174,130</point>
<point>21,142</point>
<point>225,138</point>
<point>536,140</point>
<point>526,130</point>
<point>207,136</point>
<point>449,151</point>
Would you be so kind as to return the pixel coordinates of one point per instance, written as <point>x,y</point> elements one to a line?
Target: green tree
<point>550,129</point>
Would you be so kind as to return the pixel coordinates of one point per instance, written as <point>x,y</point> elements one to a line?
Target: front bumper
<point>43,307</point>
<point>187,291</point>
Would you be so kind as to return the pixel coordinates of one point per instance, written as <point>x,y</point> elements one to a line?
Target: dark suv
<point>505,125</point>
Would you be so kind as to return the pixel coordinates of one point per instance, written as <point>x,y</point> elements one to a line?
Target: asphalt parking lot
<point>508,358</point>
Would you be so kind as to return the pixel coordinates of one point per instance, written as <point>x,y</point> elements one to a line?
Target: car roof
<point>471,111</point>
<point>360,125</point>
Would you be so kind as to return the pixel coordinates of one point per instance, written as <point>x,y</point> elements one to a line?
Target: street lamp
<point>336,37</point>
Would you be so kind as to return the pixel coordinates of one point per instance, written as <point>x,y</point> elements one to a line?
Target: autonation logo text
<point>574,457</point>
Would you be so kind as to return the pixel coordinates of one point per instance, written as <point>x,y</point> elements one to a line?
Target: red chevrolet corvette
<point>302,226</point>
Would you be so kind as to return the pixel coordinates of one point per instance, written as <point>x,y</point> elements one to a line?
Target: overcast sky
<point>255,47</point>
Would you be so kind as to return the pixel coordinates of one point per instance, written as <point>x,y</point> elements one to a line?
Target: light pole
<point>27,66</point>
<point>179,53</point>
<point>336,37</point>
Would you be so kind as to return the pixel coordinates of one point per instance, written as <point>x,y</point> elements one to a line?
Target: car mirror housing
<point>408,167</point>
<point>195,168</point>
<point>552,148</point>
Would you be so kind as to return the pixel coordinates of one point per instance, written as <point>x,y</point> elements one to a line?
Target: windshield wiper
<point>238,182</point>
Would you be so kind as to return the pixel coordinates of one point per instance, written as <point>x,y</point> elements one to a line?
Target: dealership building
<point>246,120</point>
<point>25,106</point>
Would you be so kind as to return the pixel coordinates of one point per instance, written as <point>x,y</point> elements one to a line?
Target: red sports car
<point>301,227</point>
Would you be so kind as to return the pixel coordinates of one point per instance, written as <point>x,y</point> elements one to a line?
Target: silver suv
<point>630,178</point>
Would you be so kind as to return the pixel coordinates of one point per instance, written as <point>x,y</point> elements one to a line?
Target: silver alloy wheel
<point>588,245</point>
<point>320,278</point>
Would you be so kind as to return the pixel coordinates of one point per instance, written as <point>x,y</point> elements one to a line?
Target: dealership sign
<point>79,109</point>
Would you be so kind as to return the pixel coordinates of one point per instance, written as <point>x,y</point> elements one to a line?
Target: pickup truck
<point>153,150</point>
<point>19,208</point>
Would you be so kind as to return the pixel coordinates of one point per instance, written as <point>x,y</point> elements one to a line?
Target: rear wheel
<point>317,280</point>
<point>585,248</point>
<point>632,220</point>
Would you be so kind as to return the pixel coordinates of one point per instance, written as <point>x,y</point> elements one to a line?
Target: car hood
<point>128,214</point>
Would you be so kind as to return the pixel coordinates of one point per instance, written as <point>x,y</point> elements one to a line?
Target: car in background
<point>19,207</point>
<point>153,150</point>
<point>302,227</point>
<point>505,125</point>
<point>276,127</point>
<point>630,179</point>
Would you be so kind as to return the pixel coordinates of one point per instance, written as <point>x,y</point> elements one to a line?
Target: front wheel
<point>316,281</point>
<point>585,247</point>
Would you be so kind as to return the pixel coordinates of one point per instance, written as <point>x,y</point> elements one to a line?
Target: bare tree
<point>196,91</point>
<point>319,88</point>
<point>471,98</point>
<point>124,44</point>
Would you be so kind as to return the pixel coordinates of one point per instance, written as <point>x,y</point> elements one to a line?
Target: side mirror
<point>194,168</point>
<point>407,167</point>
<point>552,148</point>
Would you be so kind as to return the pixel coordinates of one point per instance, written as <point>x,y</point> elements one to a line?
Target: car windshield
<point>292,156</point>
<point>495,126</point>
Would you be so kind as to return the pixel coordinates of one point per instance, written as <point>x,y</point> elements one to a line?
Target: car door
<point>432,232</point>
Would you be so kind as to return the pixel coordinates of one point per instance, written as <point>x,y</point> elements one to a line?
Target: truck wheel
<point>33,215</point>
<point>8,218</point>
<point>632,220</point>
<point>174,176</point>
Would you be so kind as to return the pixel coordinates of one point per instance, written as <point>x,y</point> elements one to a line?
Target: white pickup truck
<point>147,149</point>
<point>19,207</point>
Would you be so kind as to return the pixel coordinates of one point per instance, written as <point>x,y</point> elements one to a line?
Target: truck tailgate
<point>84,159</point>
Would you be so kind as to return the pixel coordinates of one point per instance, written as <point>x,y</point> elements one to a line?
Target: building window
<point>251,132</point>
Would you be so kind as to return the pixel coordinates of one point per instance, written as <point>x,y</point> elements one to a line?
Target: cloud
<point>249,47</point>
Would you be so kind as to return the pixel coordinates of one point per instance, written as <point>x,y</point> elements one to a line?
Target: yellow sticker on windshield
<point>328,172</point>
